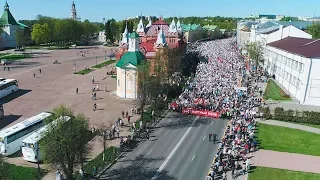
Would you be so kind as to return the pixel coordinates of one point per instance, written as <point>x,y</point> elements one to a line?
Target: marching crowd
<point>213,87</point>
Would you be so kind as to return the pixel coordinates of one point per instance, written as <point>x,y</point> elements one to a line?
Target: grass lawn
<point>106,63</point>
<point>84,71</point>
<point>274,92</point>
<point>284,139</point>
<point>111,154</point>
<point>13,57</point>
<point>265,173</point>
<point>23,173</point>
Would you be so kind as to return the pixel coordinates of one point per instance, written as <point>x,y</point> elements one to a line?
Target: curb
<point>109,165</point>
<point>121,154</point>
<point>214,158</point>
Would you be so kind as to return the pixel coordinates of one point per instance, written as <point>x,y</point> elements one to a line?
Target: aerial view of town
<point>163,90</point>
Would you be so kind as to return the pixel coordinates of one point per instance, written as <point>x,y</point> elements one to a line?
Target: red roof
<point>305,47</point>
<point>160,22</point>
<point>148,46</point>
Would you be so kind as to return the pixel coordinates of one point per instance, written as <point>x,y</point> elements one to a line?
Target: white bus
<point>8,86</point>
<point>30,144</point>
<point>11,137</point>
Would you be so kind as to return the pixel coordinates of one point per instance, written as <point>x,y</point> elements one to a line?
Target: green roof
<point>133,58</point>
<point>134,35</point>
<point>22,26</point>
<point>210,27</point>
<point>7,18</point>
<point>189,27</point>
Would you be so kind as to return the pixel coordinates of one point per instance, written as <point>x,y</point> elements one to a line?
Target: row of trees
<point>53,31</point>
<point>314,30</point>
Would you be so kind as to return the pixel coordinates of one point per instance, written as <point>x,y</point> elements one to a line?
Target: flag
<point>220,60</point>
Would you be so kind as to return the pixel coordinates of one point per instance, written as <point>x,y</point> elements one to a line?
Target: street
<point>178,148</point>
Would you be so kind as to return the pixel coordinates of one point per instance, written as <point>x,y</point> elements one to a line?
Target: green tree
<point>21,37</point>
<point>143,82</point>
<point>40,33</point>
<point>3,168</point>
<point>314,30</point>
<point>255,54</point>
<point>109,32</point>
<point>65,145</point>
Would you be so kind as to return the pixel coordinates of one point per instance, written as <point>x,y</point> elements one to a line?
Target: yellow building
<point>127,72</point>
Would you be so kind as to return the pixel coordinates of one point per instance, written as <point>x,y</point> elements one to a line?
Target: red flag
<point>220,60</point>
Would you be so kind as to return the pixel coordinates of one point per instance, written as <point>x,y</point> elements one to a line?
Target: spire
<point>73,11</point>
<point>150,22</point>
<point>125,35</point>
<point>173,27</point>
<point>140,28</point>
<point>161,40</point>
<point>6,6</point>
<point>179,28</point>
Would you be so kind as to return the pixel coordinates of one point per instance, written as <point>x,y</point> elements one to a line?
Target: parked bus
<point>8,86</point>
<point>11,137</point>
<point>30,144</point>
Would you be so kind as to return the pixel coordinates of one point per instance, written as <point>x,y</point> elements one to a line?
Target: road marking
<point>193,157</point>
<point>204,137</point>
<point>150,151</point>
<point>212,123</point>
<point>166,133</point>
<point>174,150</point>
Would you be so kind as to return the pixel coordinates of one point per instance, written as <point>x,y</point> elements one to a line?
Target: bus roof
<point>39,134</point>
<point>18,127</point>
<point>5,81</point>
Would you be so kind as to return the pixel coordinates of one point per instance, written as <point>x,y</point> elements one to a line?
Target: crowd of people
<point>213,86</point>
<point>222,84</point>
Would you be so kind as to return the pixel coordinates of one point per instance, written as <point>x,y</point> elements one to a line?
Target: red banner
<point>201,112</point>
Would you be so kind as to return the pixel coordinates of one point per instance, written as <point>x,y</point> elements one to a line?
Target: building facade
<point>295,62</point>
<point>193,32</point>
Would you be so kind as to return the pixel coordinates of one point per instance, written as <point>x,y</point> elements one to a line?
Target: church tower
<point>73,11</point>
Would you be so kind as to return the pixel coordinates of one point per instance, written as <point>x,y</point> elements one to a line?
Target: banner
<point>200,112</point>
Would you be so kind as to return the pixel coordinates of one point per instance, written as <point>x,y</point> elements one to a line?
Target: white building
<point>295,62</point>
<point>102,36</point>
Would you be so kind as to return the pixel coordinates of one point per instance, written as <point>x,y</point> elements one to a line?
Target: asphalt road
<point>178,148</point>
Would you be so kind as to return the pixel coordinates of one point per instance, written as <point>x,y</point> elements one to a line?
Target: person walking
<point>122,113</point>
<point>128,119</point>
<point>77,91</point>
<point>40,71</point>
<point>94,107</point>
<point>214,138</point>
<point>34,75</point>
<point>8,68</point>
<point>147,136</point>
<point>210,136</point>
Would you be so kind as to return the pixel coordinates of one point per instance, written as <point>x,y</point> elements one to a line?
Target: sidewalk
<point>283,160</point>
<point>290,125</point>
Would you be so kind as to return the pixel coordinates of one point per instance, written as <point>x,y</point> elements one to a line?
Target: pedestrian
<point>94,107</point>
<point>147,136</point>
<point>58,176</point>
<point>40,71</point>
<point>34,75</point>
<point>210,135</point>
<point>4,67</point>
<point>81,173</point>
<point>214,138</point>
<point>77,91</point>
<point>122,114</point>
<point>118,132</point>
<point>8,68</point>
<point>128,119</point>
<point>127,113</point>
<point>105,87</point>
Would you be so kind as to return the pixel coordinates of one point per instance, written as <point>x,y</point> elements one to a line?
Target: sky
<point>95,10</point>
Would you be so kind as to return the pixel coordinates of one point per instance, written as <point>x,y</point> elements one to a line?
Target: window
<point>295,64</point>
<point>24,132</point>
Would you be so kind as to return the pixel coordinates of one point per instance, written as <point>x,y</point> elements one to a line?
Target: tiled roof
<point>154,29</point>
<point>160,22</point>
<point>147,46</point>
<point>210,27</point>
<point>304,47</point>
<point>133,58</point>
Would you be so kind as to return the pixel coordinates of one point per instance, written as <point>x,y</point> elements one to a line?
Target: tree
<point>40,33</point>
<point>3,168</point>
<point>21,37</point>
<point>255,53</point>
<point>143,78</point>
<point>109,32</point>
<point>65,145</point>
<point>314,30</point>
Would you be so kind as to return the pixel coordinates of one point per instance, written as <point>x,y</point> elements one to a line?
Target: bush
<point>306,117</point>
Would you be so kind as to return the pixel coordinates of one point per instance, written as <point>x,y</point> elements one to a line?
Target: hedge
<point>307,117</point>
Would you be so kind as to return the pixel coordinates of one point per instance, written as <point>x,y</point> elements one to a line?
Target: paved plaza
<point>57,85</point>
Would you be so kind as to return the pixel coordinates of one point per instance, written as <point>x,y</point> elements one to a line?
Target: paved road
<point>178,148</point>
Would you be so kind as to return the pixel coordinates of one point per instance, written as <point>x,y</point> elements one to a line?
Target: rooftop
<point>190,27</point>
<point>304,47</point>
<point>160,22</point>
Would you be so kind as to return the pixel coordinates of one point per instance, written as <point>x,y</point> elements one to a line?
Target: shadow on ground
<point>8,119</point>
<point>14,95</point>
<point>137,169</point>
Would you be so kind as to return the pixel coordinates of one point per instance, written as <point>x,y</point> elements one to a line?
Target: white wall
<point>286,32</point>
<point>102,36</point>
<point>313,91</point>
<point>8,37</point>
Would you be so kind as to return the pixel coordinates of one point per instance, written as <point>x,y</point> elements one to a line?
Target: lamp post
<point>38,163</point>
